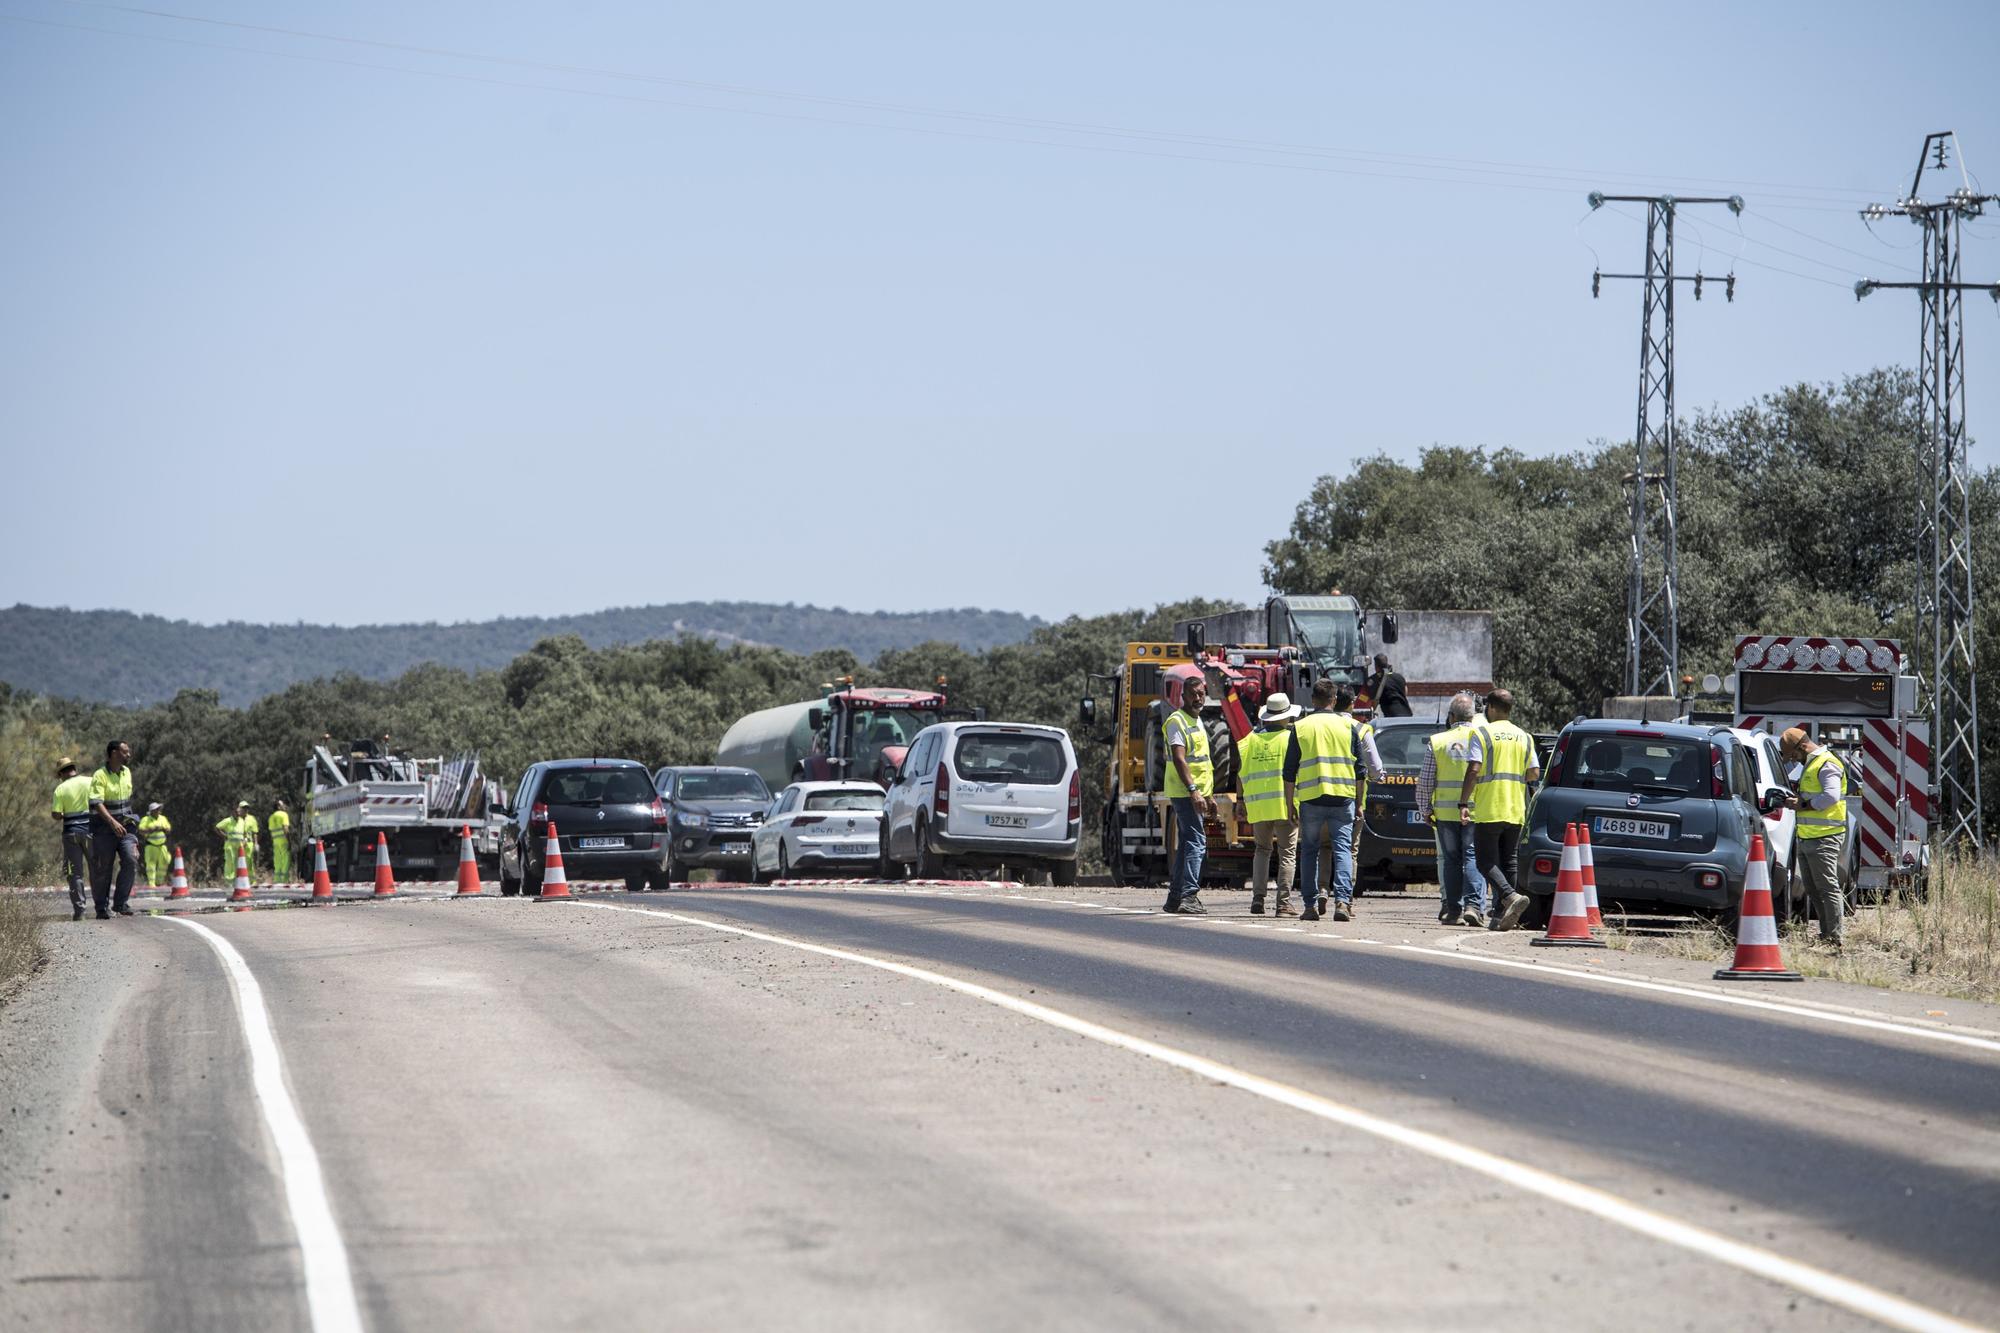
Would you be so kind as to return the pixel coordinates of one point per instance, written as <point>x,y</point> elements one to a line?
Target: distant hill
<point>118,657</point>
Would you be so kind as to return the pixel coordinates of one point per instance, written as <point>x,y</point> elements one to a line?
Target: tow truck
<point>366,789</point>
<point>1135,823</point>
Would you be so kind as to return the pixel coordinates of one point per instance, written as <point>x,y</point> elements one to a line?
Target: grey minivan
<point>1670,808</point>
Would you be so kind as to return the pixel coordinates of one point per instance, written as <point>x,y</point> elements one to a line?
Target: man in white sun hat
<point>1270,803</point>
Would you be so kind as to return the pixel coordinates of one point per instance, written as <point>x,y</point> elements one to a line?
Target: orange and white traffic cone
<point>241,894</point>
<point>468,864</point>
<point>322,882</point>
<point>1569,917</point>
<point>1589,874</point>
<point>385,878</point>
<point>178,881</point>
<point>1757,955</point>
<point>555,884</point>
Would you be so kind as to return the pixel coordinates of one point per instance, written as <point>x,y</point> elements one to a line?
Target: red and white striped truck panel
<point>1890,778</point>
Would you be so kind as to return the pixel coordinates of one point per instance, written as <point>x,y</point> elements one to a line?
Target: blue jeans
<point>1458,867</point>
<point>1190,850</point>
<point>1324,818</point>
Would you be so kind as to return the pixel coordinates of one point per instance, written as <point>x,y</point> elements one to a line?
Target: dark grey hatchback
<point>1670,809</point>
<point>609,822</point>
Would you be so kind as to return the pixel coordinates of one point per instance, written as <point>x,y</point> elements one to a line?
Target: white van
<point>975,796</point>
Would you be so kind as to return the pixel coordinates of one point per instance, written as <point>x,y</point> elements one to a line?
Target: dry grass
<point>1946,943</point>
<point>21,917</point>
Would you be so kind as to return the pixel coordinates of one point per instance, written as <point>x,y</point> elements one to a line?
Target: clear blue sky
<point>759,322</point>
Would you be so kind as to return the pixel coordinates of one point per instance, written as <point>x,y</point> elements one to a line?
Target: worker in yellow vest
<point>1820,846</point>
<point>1270,803</point>
<point>280,826</point>
<point>1502,767</point>
<point>1327,754</point>
<point>153,832</point>
<point>71,809</point>
<point>114,837</point>
<point>1190,790</point>
<point>239,838</point>
<point>1442,790</point>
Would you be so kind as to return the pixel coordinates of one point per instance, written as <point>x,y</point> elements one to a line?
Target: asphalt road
<point>611,1114</point>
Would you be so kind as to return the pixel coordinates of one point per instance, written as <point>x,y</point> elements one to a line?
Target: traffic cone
<point>242,892</point>
<point>1589,874</point>
<point>555,884</point>
<point>1569,917</point>
<point>179,879</point>
<point>322,882</point>
<point>385,878</point>
<point>468,864</point>
<point>1757,956</point>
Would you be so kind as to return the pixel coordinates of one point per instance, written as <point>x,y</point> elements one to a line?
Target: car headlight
<point>689,819</point>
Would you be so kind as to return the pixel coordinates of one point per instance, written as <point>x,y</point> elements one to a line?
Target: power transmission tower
<point>1944,601</point>
<point>1653,583</point>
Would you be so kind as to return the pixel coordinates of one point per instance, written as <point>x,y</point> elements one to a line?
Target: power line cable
<point>1373,157</point>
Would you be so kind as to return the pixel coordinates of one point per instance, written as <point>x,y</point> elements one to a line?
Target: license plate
<point>600,842</point>
<point>1414,817</point>
<point>1633,828</point>
<point>1006,821</point>
<point>736,849</point>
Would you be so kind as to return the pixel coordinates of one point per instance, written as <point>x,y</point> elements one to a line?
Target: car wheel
<point>1062,874</point>
<point>509,886</point>
<point>928,865</point>
<point>784,862</point>
<point>635,884</point>
<point>884,867</point>
<point>531,879</point>
<point>1537,915</point>
<point>675,871</point>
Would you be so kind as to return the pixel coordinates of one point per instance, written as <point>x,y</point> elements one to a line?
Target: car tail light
<point>941,793</point>
<point>1718,772</point>
<point>659,813</point>
<point>1711,879</point>
<point>1545,865</point>
<point>1076,796</point>
<point>801,821</point>
<point>538,813</point>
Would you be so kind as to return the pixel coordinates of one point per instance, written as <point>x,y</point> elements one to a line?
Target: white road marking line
<point>330,1299</point>
<point>1875,1304</point>
<point>1815,1013</point>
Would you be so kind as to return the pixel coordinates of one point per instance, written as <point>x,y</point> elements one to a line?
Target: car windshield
<point>984,756</point>
<point>844,800</point>
<point>876,729</point>
<point>1402,747</point>
<point>598,786</point>
<point>1335,635</point>
<point>1633,762</point>
<point>721,787</point>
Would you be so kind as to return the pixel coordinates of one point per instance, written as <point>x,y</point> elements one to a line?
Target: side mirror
<point>891,774</point>
<point>1388,629</point>
<point>1197,638</point>
<point>815,718</point>
<point>1772,801</point>
<point>1086,709</point>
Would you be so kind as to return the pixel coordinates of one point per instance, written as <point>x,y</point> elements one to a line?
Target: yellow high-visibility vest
<point>1450,772</point>
<point>1501,794</point>
<point>153,830</point>
<point>1326,756</point>
<point>1822,823</point>
<point>1261,766</point>
<point>1187,728</point>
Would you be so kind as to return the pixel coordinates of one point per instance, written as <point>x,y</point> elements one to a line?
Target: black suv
<point>1396,844</point>
<point>711,812</point>
<point>610,822</point>
<point>1671,808</point>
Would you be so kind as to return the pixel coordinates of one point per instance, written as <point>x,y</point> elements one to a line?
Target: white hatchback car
<point>818,826</point>
<point>1779,825</point>
<point>979,795</point>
